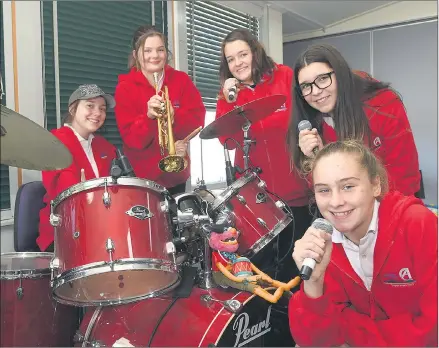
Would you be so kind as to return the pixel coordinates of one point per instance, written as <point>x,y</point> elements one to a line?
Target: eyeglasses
<point>322,81</point>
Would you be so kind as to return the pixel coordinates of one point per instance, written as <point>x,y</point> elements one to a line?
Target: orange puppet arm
<point>286,286</point>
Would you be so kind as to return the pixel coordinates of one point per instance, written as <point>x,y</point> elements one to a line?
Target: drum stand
<point>206,278</point>
<point>247,143</point>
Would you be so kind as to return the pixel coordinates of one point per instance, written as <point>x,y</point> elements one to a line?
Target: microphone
<point>230,172</point>
<point>309,263</point>
<point>125,164</point>
<point>232,93</point>
<point>306,125</point>
<point>115,169</point>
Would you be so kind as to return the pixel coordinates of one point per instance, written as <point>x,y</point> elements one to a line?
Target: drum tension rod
<point>20,291</point>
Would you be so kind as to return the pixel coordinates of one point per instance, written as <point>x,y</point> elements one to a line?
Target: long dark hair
<point>261,62</point>
<point>350,121</point>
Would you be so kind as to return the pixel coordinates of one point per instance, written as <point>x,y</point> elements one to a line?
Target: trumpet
<point>171,163</point>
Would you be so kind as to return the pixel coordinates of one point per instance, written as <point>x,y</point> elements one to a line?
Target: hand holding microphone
<point>310,141</point>
<point>230,89</point>
<point>313,252</point>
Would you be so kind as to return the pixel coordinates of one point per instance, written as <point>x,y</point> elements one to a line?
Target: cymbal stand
<point>206,278</point>
<point>247,143</point>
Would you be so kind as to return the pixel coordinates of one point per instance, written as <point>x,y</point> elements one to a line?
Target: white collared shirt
<point>361,256</point>
<point>86,145</point>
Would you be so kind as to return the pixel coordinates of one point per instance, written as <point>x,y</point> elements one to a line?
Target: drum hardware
<point>54,219</point>
<point>247,143</point>
<point>53,265</point>
<point>86,336</point>
<point>188,219</point>
<point>109,246</point>
<point>170,249</point>
<point>233,306</point>
<point>262,223</point>
<point>106,196</point>
<point>261,197</point>
<point>20,291</point>
<point>262,184</point>
<point>206,277</point>
<point>241,199</point>
<point>76,235</point>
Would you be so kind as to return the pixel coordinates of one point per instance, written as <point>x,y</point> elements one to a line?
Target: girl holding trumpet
<point>141,101</point>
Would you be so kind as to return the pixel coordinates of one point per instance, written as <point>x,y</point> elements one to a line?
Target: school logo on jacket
<point>104,155</point>
<point>176,104</point>
<point>403,278</point>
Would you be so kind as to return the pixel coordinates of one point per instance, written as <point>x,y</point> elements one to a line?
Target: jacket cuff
<point>318,305</point>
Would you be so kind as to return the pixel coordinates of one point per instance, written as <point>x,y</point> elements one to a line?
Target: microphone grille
<point>304,125</point>
<point>323,225</point>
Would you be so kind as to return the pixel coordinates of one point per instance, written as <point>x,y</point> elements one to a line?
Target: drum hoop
<point>231,190</point>
<point>121,265</point>
<point>263,241</point>
<point>98,182</point>
<point>26,273</point>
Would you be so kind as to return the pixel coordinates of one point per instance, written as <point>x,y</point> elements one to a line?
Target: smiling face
<point>345,194</point>
<point>322,99</point>
<point>89,116</point>
<point>239,58</point>
<point>152,56</point>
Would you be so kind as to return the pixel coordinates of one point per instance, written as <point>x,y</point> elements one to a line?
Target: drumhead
<point>231,190</point>
<point>100,182</point>
<point>25,265</point>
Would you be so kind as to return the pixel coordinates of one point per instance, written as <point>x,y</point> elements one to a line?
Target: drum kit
<point>133,258</point>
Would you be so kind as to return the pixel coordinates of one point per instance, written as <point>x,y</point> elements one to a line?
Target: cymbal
<point>232,122</point>
<point>25,144</point>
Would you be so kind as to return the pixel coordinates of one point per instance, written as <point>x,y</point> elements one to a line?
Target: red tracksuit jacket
<point>401,308</point>
<point>392,140</point>
<point>56,181</point>
<point>270,152</point>
<point>140,134</point>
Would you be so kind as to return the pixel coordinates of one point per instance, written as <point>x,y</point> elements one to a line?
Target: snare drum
<point>113,242</point>
<point>204,319</point>
<point>258,218</point>
<point>29,316</point>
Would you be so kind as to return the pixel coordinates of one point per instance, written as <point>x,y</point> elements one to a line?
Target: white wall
<point>30,87</point>
<point>399,12</point>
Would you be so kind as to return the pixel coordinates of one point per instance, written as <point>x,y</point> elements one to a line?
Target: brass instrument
<point>171,163</point>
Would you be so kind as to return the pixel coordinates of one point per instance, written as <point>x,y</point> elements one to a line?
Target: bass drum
<point>204,319</point>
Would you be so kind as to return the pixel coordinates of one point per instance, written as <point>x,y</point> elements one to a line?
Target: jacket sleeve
<point>398,149</point>
<point>330,320</point>
<point>56,181</point>
<point>191,112</point>
<point>136,129</point>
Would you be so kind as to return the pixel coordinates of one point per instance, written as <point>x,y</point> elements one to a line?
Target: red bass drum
<point>207,318</point>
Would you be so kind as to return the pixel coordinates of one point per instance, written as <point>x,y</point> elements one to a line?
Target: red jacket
<point>56,181</point>
<point>270,152</point>
<point>140,134</point>
<point>401,308</point>
<point>392,139</point>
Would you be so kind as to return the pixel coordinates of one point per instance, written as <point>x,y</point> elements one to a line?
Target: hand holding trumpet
<point>155,104</point>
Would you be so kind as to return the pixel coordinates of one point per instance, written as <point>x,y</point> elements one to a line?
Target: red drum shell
<point>35,320</point>
<point>132,230</point>
<point>256,215</point>
<point>191,322</point>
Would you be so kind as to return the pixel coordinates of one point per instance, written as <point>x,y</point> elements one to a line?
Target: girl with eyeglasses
<point>341,104</point>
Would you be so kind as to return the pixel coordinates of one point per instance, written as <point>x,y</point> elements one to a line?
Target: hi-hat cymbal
<point>232,122</point>
<point>25,144</point>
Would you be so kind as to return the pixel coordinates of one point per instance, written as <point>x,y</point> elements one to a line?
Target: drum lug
<point>262,223</point>
<point>54,265</point>
<point>233,306</point>
<point>261,197</point>
<point>241,199</point>
<point>109,246</point>
<point>55,220</point>
<point>164,206</point>
<point>20,291</point>
<point>78,337</point>
<point>170,249</point>
<point>262,184</point>
<point>106,198</point>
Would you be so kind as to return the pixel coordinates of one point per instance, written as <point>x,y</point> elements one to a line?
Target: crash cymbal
<point>25,144</point>
<point>232,122</point>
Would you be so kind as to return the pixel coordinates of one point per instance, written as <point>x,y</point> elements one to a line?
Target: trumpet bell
<point>173,164</point>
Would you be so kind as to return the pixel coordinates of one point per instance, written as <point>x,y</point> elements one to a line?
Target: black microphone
<point>306,125</point>
<point>115,169</point>
<point>232,93</point>
<point>309,263</point>
<point>230,172</point>
<point>125,164</point>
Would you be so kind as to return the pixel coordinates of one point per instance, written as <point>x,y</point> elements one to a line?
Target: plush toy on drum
<point>230,269</point>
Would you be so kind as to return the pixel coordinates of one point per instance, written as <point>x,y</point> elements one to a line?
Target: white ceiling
<point>304,16</point>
